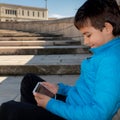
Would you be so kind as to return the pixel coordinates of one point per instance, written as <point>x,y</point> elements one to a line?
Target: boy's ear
<point>108,27</point>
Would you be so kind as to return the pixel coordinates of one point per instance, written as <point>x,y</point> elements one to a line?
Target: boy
<point>96,94</point>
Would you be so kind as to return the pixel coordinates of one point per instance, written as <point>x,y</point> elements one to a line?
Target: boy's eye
<point>88,35</point>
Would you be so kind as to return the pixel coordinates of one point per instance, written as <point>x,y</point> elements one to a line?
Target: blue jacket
<point>96,94</point>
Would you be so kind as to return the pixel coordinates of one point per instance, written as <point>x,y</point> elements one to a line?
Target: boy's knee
<point>27,77</point>
<point>6,106</point>
<point>3,106</point>
<point>8,110</point>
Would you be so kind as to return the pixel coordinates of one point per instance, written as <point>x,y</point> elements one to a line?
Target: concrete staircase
<point>54,57</point>
<point>46,54</point>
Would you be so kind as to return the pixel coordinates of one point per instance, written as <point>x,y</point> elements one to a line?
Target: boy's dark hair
<point>96,13</point>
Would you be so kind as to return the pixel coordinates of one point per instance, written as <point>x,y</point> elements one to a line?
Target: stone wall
<point>60,26</point>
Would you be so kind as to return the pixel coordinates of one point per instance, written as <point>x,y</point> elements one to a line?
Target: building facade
<point>9,12</point>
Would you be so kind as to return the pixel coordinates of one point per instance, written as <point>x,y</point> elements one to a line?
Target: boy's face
<point>94,37</point>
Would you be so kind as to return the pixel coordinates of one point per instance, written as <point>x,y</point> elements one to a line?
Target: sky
<point>56,8</point>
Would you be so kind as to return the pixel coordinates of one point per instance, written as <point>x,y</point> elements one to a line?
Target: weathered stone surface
<point>41,50</point>
<point>41,64</point>
<point>40,69</point>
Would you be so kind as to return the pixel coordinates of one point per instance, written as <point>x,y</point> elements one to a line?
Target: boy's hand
<point>52,87</point>
<point>41,99</point>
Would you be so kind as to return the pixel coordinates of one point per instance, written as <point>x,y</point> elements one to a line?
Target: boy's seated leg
<point>27,85</point>
<point>23,111</point>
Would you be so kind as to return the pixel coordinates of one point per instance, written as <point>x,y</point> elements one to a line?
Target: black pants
<point>27,108</point>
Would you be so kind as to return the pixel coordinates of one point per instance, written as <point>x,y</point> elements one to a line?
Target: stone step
<point>17,33</point>
<point>29,35</point>
<point>41,64</point>
<point>39,43</point>
<point>13,33</point>
<point>23,38</point>
<point>39,69</point>
<point>45,50</point>
<point>20,38</point>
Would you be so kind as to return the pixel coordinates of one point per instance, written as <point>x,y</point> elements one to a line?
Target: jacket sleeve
<point>63,89</point>
<point>105,98</point>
